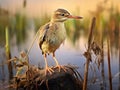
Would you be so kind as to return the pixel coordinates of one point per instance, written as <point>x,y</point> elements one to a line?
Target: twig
<point>33,42</point>
<point>88,55</point>
<point>8,61</point>
<point>91,32</point>
<point>109,66</point>
<point>29,51</point>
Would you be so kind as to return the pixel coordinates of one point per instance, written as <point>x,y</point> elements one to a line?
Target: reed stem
<point>88,57</point>
<point>109,65</point>
<point>8,54</point>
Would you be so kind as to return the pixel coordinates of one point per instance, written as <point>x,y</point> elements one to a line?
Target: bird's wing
<point>42,34</point>
<point>45,32</point>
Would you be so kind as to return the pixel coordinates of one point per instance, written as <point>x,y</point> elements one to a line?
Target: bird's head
<point>61,15</point>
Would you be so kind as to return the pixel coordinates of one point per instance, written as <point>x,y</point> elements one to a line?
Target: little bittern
<point>53,34</point>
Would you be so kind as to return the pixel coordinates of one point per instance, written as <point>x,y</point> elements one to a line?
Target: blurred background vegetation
<point>19,23</point>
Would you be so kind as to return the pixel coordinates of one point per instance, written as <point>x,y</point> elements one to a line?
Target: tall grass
<point>18,23</point>
<point>8,53</point>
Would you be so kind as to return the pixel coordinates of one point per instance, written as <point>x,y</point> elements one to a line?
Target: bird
<point>52,35</point>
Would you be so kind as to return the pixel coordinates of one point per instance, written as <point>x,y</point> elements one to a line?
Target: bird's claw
<point>61,67</point>
<point>49,70</point>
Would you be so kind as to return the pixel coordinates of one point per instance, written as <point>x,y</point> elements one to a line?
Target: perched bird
<point>53,34</point>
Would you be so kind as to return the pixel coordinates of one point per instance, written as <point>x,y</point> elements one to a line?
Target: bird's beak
<point>75,17</point>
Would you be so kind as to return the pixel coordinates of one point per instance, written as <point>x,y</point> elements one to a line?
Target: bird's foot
<point>61,67</point>
<point>48,70</point>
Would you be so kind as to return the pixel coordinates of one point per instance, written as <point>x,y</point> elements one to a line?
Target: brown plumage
<point>53,34</point>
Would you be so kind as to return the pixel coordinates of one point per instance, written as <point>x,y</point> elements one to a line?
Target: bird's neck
<point>57,22</point>
<point>54,19</point>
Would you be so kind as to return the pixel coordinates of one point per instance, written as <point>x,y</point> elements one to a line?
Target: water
<point>68,53</point>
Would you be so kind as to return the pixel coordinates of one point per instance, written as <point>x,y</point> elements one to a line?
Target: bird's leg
<point>57,64</point>
<point>46,66</point>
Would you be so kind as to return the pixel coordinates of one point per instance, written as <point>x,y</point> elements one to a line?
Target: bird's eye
<point>62,14</point>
